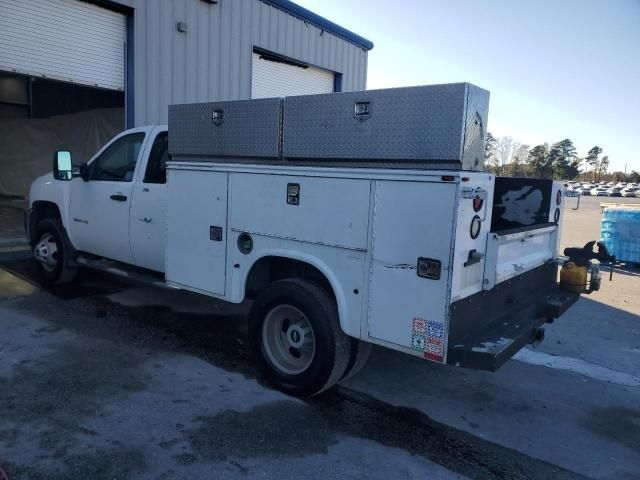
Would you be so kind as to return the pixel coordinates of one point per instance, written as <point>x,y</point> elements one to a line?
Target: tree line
<point>507,157</point>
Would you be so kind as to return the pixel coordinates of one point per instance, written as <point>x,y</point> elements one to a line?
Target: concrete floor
<point>12,236</point>
<point>111,379</point>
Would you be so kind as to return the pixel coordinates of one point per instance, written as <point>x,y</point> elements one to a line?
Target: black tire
<point>50,231</point>
<point>331,346</point>
<point>360,352</point>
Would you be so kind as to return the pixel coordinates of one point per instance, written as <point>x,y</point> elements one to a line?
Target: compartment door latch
<point>293,193</point>
<point>215,233</point>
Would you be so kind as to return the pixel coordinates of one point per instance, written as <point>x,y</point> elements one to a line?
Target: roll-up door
<point>273,78</point>
<point>67,40</point>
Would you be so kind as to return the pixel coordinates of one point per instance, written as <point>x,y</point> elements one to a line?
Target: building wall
<point>212,60</point>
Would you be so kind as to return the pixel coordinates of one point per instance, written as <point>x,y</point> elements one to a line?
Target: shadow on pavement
<point>220,338</point>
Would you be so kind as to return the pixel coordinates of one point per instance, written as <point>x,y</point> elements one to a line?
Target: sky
<point>555,69</point>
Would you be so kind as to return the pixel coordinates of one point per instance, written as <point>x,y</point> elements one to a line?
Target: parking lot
<point>110,379</point>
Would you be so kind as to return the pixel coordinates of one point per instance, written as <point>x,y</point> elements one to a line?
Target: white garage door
<point>65,40</point>
<point>277,79</point>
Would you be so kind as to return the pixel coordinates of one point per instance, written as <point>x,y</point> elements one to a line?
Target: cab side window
<point>118,162</point>
<point>156,167</point>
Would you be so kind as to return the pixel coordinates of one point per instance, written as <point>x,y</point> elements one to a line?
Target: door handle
<point>119,198</point>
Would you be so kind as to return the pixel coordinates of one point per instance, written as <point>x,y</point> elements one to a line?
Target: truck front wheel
<point>53,251</point>
<point>296,337</point>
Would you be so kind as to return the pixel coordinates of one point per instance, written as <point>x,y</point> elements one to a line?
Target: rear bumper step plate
<point>492,340</point>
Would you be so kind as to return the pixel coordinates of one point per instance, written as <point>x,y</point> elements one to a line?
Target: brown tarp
<point>27,145</point>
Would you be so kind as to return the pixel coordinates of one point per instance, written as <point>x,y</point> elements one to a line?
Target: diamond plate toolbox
<point>417,125</point>
<point>233,129</point>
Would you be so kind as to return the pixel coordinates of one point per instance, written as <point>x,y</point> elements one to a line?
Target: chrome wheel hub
<point>295,336</point>
<point>46,252</point>
<point>288,339</point>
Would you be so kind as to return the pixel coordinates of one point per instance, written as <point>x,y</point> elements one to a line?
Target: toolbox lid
<point>233,129</point>
<point>434,126</point>
<point>426,127</point>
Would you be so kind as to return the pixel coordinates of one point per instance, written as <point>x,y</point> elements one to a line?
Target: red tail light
<point>477,204</point>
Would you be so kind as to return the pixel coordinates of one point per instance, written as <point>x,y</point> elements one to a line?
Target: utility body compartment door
<point>412,220</point>
<point>327,211</point>
<point>197,230</point>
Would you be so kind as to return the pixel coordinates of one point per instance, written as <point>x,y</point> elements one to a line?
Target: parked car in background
<point>599,192</point>
<point>629,192</point>
<point>614,192</point>
<point>585,191</point>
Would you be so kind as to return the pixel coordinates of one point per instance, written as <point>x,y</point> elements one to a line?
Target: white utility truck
<point>349,219</point>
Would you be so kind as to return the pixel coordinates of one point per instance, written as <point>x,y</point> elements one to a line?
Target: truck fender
<point>322,267</point>
<point>46,190</point>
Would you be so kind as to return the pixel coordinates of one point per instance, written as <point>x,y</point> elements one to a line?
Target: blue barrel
<point>620,232</point>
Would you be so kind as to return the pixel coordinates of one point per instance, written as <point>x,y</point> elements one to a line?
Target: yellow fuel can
<point>573,277</point>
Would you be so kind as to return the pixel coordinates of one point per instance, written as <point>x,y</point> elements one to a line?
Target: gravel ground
<point>114,380</point>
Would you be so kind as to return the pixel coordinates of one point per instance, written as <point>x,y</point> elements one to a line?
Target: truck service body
<point>351,219</point>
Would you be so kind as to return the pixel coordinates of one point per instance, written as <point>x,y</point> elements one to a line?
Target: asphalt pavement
<point>114,380</point>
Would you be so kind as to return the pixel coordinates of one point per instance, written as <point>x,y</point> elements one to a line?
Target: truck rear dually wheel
<point>360,352</point>
<point>296,337</point>
<point>53,251</point>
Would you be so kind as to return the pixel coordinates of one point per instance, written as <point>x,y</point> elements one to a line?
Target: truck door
<point>147,224</point>
<point>99,208</point>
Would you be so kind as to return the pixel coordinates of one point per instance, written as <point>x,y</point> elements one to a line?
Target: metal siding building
<point>161,52</point>
<point>41,38</point>
<point>73,73</point>
<point>212,60</point>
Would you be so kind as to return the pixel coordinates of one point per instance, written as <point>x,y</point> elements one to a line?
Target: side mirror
<point>62,168</point>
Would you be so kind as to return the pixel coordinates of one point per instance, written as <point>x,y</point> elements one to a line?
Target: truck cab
<point>115,206</point>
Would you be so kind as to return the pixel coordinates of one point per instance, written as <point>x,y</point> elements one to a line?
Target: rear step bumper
<point>488,328</point>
